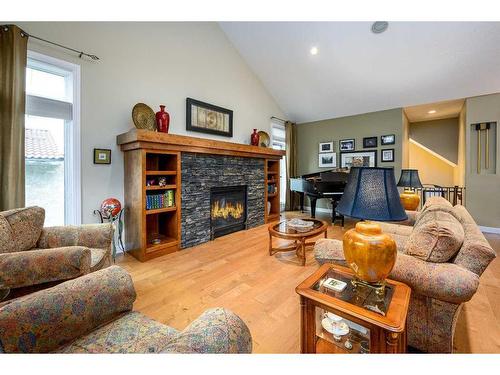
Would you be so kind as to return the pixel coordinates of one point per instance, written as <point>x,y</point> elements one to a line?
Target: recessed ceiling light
<point>431,111</point>
<point>314,50</point>
<point>379,27</point>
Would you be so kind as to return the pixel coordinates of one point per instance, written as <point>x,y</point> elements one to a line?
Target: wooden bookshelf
<point>272,179</point>
<point>155,231</point>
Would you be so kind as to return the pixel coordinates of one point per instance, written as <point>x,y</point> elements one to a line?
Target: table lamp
<point>370,194</point>
<point>410,181</point>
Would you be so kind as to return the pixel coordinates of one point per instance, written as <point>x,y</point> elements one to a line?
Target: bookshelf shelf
<point>272,177</point>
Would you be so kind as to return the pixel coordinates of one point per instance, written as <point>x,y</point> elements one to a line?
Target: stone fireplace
<point>203,176</point>
<point>228,210</point>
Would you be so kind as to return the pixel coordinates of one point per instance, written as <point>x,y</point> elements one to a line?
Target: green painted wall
<point>309,135</point>
<point>441,136</point>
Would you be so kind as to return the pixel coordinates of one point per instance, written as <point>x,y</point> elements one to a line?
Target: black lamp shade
<point>371,194</point>
<point>409,179</point>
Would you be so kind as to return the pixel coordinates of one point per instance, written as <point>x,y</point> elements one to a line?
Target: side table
<point>362,321</point>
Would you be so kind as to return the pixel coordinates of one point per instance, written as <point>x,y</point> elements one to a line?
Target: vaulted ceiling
<point>356,71</point>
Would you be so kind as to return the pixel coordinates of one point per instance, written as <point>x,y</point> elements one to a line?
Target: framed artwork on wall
<point>388,139</point>
<point>358,159</point>
<point>387,155</point>
<point>326,147</point>
<point>328,160</point>
<point>208,118</point>
<point>370,142</point>
<point>102,156</point>
<point>347,145</point>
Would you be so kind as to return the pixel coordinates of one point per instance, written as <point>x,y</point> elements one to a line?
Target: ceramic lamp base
<point>410,200</point>
<point>370,253</point>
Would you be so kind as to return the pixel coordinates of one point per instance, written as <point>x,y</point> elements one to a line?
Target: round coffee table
<point>299,238</point>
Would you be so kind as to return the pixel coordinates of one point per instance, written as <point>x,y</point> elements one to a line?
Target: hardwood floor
<point>236,272</point>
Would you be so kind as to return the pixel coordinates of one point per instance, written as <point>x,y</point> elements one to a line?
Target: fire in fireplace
<point>228,210</point>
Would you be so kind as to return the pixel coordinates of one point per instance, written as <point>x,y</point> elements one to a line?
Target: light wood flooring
<point>236,272</point>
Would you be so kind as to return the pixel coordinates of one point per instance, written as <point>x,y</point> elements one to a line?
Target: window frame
<point>72,140</point>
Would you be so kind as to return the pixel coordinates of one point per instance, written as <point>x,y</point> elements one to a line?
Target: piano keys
<point>319,185</point>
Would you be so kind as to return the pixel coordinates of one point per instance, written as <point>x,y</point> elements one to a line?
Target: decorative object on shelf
<point>268,207</point>
<point>410,181</point>
<point>162,120</point>
<point>208,118</point>
<point>150,182</point>
<point>162,181</point>
<point>370,142</point>
<point>143,117</point>
<point>264,139</point>
<point>111,211</point>
<point>349,159</point>
<point>347,145</point>
<point>254,138</point>
<point>328,160</point>
<point>102,156</point>
<point>388,139</point>
<point>387,155</point>
<point>325,147</point>
<point>370,194</point>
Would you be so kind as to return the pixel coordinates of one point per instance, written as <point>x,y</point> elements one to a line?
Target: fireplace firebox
<point>228,210</point>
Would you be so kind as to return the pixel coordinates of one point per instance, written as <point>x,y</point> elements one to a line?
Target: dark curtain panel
<point>13,57</point>
<point>291,201</point>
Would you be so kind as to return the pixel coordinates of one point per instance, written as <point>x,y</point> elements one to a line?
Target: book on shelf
<point>163,200</point>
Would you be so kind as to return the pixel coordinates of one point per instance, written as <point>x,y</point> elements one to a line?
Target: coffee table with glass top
<point>299,237</point>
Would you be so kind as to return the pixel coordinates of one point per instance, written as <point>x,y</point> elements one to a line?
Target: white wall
<point>154,63</point>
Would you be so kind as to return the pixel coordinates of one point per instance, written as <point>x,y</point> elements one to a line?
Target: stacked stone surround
<point>200,172</point>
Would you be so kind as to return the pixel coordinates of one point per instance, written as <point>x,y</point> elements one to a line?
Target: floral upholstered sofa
<point>31,255</point>
<point>441,257</point>
<point>93,314</point>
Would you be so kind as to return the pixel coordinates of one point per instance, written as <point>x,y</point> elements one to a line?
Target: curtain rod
<point>80,53</point>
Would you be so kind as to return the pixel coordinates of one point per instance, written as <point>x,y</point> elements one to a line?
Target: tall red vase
<point>162,120</point>
<point>254,138</point>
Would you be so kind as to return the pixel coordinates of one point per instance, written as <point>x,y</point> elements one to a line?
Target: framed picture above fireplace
<point>208,118</point>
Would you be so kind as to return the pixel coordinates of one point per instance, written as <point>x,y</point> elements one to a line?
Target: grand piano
<point>319,185</point>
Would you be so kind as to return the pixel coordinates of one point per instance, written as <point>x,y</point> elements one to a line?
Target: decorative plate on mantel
<point>264,139</point>
<point>143,117</point>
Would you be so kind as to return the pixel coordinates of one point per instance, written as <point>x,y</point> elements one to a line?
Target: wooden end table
<point>375,324</point>
<point>299,238</point>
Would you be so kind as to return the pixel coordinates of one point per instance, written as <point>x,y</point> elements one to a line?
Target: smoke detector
<point>379,27</point>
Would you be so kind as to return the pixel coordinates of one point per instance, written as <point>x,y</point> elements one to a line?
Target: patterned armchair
<point>93,314</point>
<point>33,257</point>
<point>441,283</point>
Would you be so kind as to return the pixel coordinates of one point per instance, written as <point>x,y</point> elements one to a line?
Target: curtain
<point>291,201</point>
<point>13,58</point>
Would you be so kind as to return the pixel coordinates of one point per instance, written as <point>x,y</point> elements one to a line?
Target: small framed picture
<point>328,160</point>
<point>102,156</point>
<point>388,139</point>
<point>387,155</point>
<point>326,147</point>
<point>347,145</point>
<point>370,142</point>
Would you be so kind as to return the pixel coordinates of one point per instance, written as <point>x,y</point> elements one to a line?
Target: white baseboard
<point>489,229</point>
<point>319,209</point>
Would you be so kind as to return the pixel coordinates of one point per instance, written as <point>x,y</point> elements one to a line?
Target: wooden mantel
<point>146,139</point>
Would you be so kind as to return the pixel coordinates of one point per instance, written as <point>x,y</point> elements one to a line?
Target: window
<point>52,138</point>
<point>279,143</point>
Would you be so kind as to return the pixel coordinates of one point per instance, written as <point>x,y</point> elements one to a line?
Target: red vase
<point>162,120</point>
<point>254,138</point>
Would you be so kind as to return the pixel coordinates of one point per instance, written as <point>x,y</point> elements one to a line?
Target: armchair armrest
<point>46,320</point>
<point>215,331</point>
<point>443,281</point>
<point>97,236</point>
<point>33,267</point>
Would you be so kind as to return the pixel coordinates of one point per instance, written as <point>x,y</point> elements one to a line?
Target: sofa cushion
<point>99,259</point>
<point>6,236</point>
<point>25,224</point>
<point>435,201</point>
<point>132,333</point>
<point>436,237</point>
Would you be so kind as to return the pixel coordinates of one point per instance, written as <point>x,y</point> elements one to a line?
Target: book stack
<point>156,201</point>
